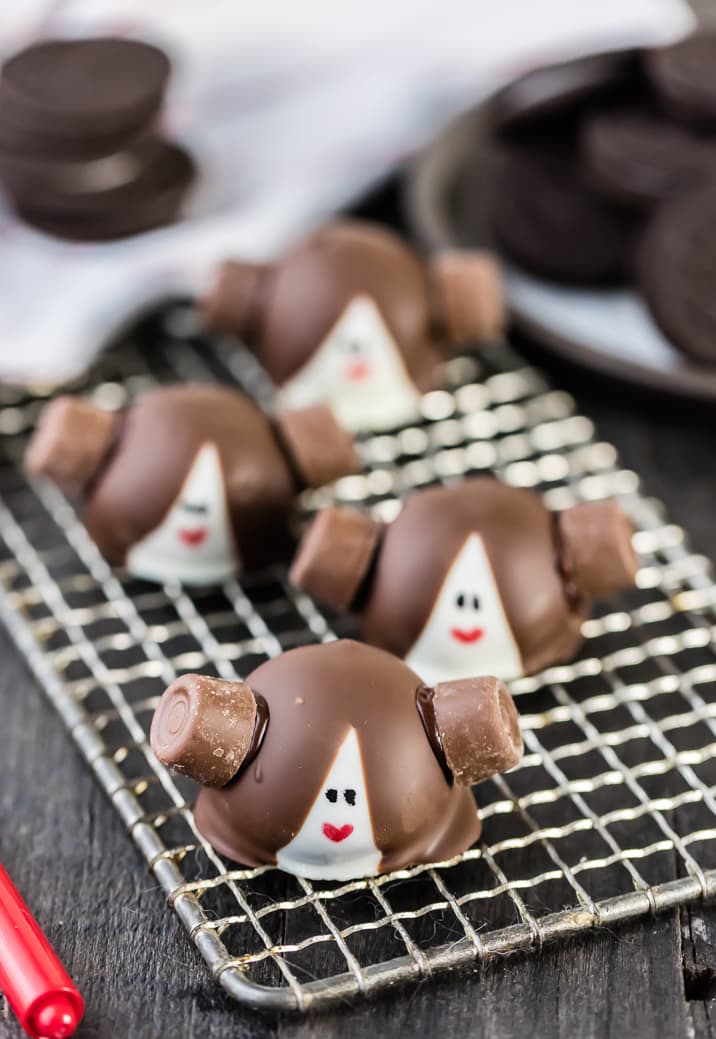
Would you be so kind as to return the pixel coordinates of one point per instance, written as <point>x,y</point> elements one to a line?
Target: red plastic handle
<point>36,985</point>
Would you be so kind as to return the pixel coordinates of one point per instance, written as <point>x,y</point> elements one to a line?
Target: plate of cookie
<point>595,180</point>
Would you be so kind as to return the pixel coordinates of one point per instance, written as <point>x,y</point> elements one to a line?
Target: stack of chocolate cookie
<point>80,154</point>
<point>615,180</point>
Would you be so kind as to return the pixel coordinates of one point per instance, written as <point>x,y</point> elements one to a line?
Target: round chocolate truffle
<point>359,768</point>
<point>190,483</point>
<point>376,319</point>
<point>471,579</point>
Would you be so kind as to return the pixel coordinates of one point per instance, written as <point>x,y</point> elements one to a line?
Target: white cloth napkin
<point>291,109</point>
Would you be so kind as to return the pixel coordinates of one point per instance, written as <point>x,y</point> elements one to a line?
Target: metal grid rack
<point>610,815</point>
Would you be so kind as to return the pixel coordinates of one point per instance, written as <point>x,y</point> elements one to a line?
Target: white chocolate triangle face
<point>336,840</point>
<point>193,544</point>
<point>359,371</point>
<point>467,633</point>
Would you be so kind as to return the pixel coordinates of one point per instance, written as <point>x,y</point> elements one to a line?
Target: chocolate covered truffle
<point>356,317</point>
<point>190,483</point>
<point>336,761</point>
<point>471,579</point>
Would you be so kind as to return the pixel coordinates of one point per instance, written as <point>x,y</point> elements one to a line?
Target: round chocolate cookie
<point>676,271</point>
<point>637,158</point>
<point>684,76</point>
<point>555,93</point>
<point>83,97</point>
<point>71,147</point>
<point>60,183</point>
<point>18,139</point>
<point>150,199</point>
<point>547,219</point>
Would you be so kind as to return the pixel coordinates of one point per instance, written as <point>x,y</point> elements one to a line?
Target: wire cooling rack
<point>610,815</point>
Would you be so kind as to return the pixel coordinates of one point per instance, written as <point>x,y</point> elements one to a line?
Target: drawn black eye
<point>460,600</point>
<point>195,508</point>
<point>475,602</point>
<point>332,795</point>
<point>350,796</point>
<point>354,347</point>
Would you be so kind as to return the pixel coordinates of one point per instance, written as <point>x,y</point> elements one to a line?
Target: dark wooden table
<point>140,976</point>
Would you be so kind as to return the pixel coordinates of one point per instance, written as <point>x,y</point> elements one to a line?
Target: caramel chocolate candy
<point>204,727</point>
<point>475,578</point>
<point>546,217</point>
<point>190,483</point>
<point>355,317</point>
<point>335,761</point>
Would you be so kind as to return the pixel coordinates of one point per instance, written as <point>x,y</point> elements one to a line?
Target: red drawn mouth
<point>193,538</point>
<point>337,833</point>
<point>358,371</point>
<point>467,635</point>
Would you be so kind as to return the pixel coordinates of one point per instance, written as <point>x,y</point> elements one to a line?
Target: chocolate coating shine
<point>196,479</point>
<point>475,577</point>
<point>376,317</point>
<point>396,795</point>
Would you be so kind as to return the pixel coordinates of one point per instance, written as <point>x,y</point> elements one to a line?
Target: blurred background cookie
<point>149,198</point>
<point>638,158</point>
<point>546,218</point>
<point>676,271</point>
<point>27,176</point>
<point>564,170</point>
<point>80,98</point>
<point>684,77</point>
<point>80,155</point>
<point>554,96</point>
